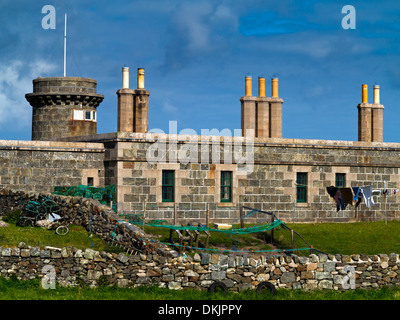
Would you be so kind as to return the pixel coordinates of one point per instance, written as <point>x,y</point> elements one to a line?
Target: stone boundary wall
<point>73,267</point>
<point>153,263</point>
<point>39,166</point>
<point>91,214</point>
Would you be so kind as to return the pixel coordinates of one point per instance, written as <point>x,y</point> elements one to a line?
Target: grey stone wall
<point>37,166</point>
<point>268,186</point>
<point>327,272</point>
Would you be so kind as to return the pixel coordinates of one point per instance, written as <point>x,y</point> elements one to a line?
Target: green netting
<point>252,229</point>
<point>103,195</point>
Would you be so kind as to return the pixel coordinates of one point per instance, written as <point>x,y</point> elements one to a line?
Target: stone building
<point>185,178</point>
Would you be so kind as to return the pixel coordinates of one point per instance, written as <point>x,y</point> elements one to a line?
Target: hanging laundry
<point>347,194</point>
<point>356,190</point>
<point>358,195</point>
<point>367,194</point>
<point>340,204</point>
<point>332,190</point>
<point>377,192</point>
<point>335,193</point>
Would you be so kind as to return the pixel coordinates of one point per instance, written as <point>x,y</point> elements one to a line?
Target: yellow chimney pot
<point>261,87</point>
<point>248,86</point>
<point>140,78</point>
<point>364,93</point>
<point>275,87</point>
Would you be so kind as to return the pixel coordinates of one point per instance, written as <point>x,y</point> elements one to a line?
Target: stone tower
<point>63,107</point>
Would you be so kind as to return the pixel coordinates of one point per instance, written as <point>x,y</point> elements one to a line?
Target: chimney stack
<point>262,110</point>
<point>370,117</point>
<point>248,110</point>
<point>377,117</point>
<point>275,110</point>
<point>364,116</point>
<point>133,105</point>
<point>262,114</point>
<point>125,104</point>
<point>141,104</point>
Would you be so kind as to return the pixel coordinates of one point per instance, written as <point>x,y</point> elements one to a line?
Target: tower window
<point>88,115</point>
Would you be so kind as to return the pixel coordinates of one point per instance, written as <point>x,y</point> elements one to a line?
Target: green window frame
<point>226,186</point>
<point>168,185</point>
<point>301,187</point>
<point>340,180</point>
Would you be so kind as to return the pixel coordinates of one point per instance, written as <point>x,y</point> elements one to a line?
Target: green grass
<point>39,237</point>
<point>347,238</point>
<point>218,240</point>
<point>13,289</point>
<point>334,238</point>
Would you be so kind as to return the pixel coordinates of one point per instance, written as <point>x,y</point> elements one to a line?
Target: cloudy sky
<point>197,53</point>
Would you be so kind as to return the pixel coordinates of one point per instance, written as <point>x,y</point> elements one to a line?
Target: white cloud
<point>169,108</point>
<point>15,81</point>
<point>198,29</point>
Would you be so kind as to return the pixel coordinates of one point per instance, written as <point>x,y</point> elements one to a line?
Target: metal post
<point>384,194</point>
<point>65,47</point>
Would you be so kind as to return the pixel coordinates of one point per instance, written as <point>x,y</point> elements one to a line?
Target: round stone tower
<point>63,107</point>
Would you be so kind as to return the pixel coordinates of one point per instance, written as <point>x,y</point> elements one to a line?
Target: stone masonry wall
<point>325,272</point>
<point>269,185</point>
<point>38,166</point>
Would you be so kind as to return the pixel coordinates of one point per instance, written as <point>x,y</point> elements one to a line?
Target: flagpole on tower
<point>65,47</point>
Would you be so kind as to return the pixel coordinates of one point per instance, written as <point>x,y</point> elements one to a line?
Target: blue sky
<point>197,53</point>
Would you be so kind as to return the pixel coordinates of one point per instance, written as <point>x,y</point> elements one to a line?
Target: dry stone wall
<point>89,213</point>
<point>73,267</point>
<point>154,264</point>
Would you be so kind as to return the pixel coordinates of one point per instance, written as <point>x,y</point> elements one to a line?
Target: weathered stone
<point>218,275</point>
<point>325,284</point>
<point>154,273</point>
<point>122,258</point>
<point>174,285</point>
<point>329,266</point>
<point>322,275</point>
<point>288,277</point>
<point>191,273</point>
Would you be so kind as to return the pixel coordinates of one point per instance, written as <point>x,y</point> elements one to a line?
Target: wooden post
<point>144,213</point>
<point>207,214</point>
<point>175,215</point>
<point>292,236</point>
<point>241,217</point>
<point>272,230</point>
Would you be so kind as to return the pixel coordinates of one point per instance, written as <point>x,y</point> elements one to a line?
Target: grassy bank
<point>13,289</point>
<point>349,238</point>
